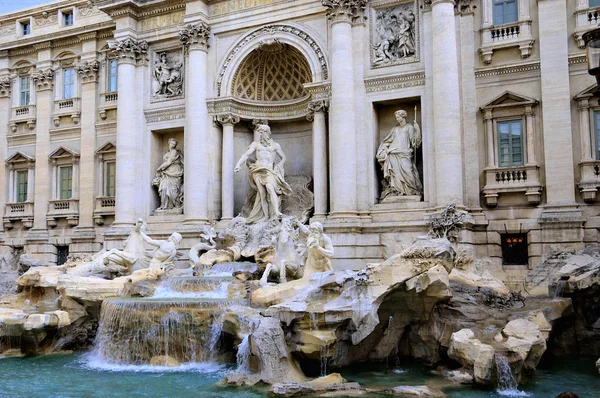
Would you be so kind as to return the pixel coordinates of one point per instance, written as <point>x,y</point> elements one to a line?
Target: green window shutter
<point>22,177</point>
<point>510,143</point>
<point>66,182</point>
<point>110,179</point>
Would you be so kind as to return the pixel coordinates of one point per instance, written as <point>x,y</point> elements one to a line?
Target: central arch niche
<point>272,72</point>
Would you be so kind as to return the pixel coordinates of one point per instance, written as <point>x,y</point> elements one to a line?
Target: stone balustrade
<point>66,107</point>
<point>585,19</point>
<point>63,208</point>
<point>22,114</point>
<point>108,101</point>
<point>22,212</point>
<point>105,206</point>
<point>505,180</point>
<point>590,179</point>
<point>517,34</point>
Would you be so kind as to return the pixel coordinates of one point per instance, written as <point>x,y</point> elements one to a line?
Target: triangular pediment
<point>587,93</point>
<point>19,157</point>
<point>508,99</point>
<point>109,147</point>
<point>63,152</point>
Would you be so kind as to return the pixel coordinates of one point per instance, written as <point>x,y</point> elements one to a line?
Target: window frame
<point>70,84</point>
<point>522,134</point>
<point>64,14</point>
<point>26,93</point>
<point>21,24</point>
<point>61,181</point>
<point>110,76</point>
<point>504,4</point>
<point>17,191</point>
<point>107,179</point>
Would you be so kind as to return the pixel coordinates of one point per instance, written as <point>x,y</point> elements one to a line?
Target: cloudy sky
<point>14,5</point>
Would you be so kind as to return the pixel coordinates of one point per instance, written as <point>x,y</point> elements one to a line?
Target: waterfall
<point>323,349</point>
<point>243,355</point>
<point>194,287</point>
<point>507,384</point>
<point>559,289</point>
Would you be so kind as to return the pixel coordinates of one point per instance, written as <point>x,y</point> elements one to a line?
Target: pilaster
<point>5,90</point>
<point>316,114</point>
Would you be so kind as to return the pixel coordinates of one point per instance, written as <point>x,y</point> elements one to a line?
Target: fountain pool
<point>83,375</point>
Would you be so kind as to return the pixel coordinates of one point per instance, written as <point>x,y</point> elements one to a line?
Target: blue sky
<point>15,5</point>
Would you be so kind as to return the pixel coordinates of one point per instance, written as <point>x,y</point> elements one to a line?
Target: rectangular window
<point>505,11</point>
<point>110,179</point>
<point>22,176</point>
<point>68,83</point>
<point>594,3</point>
<point>25,28</point>
<point>24,91</point>
<point>67,18</point>
<point>66,182</point>
<point>62,254</point>
<point>113,73</point>
<point>510,143</point>
<point>514,249</point>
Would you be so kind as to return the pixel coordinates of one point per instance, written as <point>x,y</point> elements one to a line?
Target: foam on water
<point>94,361</point>
<point>513,392</point>
<point>220,292</point>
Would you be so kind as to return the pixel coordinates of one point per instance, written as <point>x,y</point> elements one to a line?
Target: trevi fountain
<point>367,242</point>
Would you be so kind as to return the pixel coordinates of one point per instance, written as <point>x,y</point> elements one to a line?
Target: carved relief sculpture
<point>168,75</point>
<point>5,86</point>
<point>169,180</point>
<point>394,35</point>
<point>396,154</point>
<point>266,178</point>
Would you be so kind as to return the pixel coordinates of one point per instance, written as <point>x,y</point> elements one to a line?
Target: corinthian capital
<point>316,106</point>
<point>129,50</point>
<point>344,10</point>
<point>88,71</point>
<point>5,85</point>
<point>195,36</point>
<point>464,6</point>
<point>228,118</point>
<point>43,79</point>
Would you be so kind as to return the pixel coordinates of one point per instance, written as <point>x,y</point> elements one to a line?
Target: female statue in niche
<point>169,178</point>
<point>396,154</point>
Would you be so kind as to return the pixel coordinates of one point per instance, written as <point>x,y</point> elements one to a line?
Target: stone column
<point>43,79</point>
<point>197,166</point>
<point>5,90</point>
<point>227,120</point>
<point>316,114</point>
<point>530,126</point>
<point>446,105</point>
<point>88,74</point>
<point>556,102</point>
<point>342,133</point>
<point>30,182</point>
<point>11,185</point>
<point>489,133</point>
<point>584,129</point>
<point>129,53</point>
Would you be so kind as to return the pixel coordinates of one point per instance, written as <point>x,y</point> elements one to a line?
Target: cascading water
<point>247,327</point>
<point>507,384</point>
<point>323,349</point>
<point>195,287</point>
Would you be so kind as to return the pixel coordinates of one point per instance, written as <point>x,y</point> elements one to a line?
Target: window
<point>24,91</point>
<point>25,28</point>
<point>67,18</point>
<point>66,182</point>
<point>68,83</point>
<point>22,176</point>
<point>110,179</point>
<point>505,11</point>
<point>113,72</point>
<point>514,249</point>
<point>62,254</point>
<point>594,3</point>
<point>510,143</point>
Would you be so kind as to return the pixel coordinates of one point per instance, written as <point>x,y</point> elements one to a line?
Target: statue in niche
<point>396,154</point>
<point>169,76</point>
<point>266,178</point>
<point>394,38</point>
<point>169,180</point>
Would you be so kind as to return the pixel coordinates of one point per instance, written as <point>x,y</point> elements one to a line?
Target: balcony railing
<point>18,212</point>
<point>63,208</point>
<point>585,19</point>
<point>590,179</point>
<point>108,101</point>
<point>105,206</point>
<point>22,114</point>
<point>66,107</point>
<point>501,180</point>
<point>516,34</point>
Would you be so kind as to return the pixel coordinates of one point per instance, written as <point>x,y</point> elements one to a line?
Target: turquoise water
<point>77,375</point>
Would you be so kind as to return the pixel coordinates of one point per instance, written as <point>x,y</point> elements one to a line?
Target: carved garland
<point>269,30</point>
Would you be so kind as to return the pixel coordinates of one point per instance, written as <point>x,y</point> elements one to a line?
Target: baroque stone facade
<point>87,111</point>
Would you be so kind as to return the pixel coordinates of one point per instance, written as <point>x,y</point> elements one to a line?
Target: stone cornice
<point>164,114</point>
<point>43,79</point>
<point>386,83</point>
<point>129,50</point>
<point>287,110</point>
<point>195,36</point>
<point>507,69</point>
<point>344,10</point>
<point>88,71</point>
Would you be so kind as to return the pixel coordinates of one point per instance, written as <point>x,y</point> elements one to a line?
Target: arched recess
<point>290,34</point>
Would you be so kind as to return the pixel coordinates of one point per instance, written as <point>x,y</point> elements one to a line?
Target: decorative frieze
<point>165,114</point>
<point>46,19</point>
<point>344,10</point>
<point>129,50</point>
<point>387,83</point>
<point>394,34</point>
<point>88,10</point>
<point>5,85</point>
<point>43,79</point>
<point>6,30</point>
<point>88,71</point>
<point>195,36</point>
<point>261,110</point>
<point>507,69</point>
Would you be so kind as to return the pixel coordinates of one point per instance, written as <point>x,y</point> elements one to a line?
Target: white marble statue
<point>165,251</point>
<point>168,76</point>
<point>319,249</point>
<point>266,178</point>
<point>207,243</point>
<point>286,261</point>
<point>396,154</point>
<point>169,179</point>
